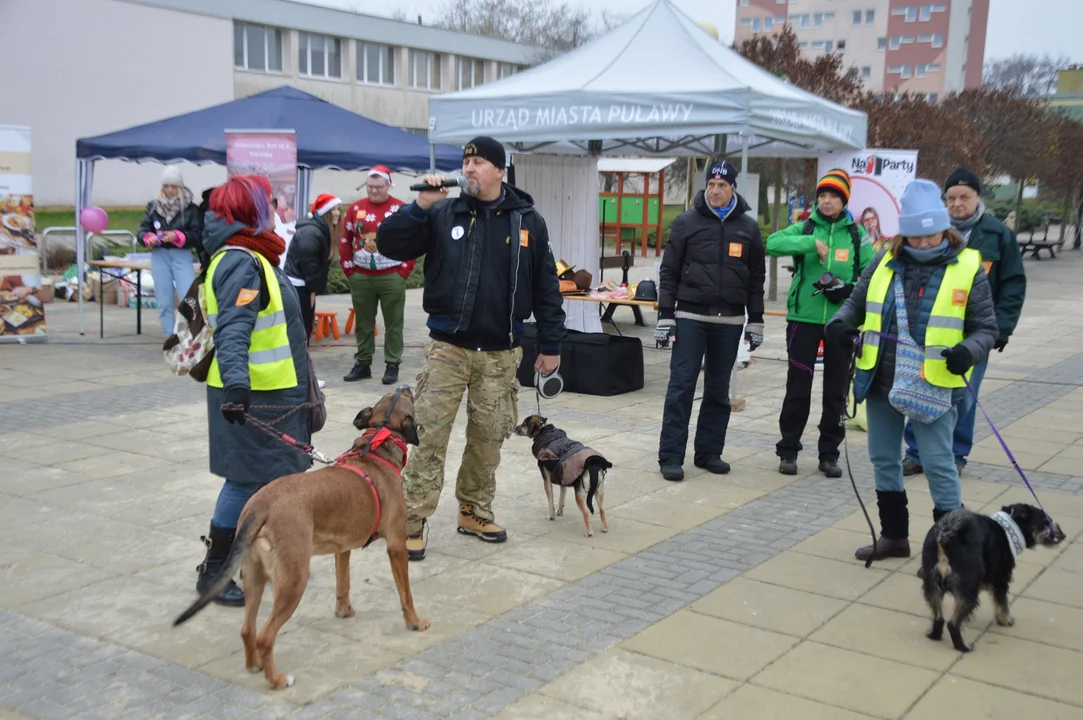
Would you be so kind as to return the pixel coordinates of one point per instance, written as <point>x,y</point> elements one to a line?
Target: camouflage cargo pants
<point>488,378</point>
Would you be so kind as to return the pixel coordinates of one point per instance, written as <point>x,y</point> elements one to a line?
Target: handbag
<point>911,394</point>
<point>317,405</point>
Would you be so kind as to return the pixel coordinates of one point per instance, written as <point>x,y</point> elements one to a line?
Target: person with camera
<point>488,267</point>
<point>712,273</point>
<point>829,252</point>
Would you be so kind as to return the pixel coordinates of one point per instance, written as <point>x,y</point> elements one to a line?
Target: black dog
<point>565,462</point>
<point>965,553</point>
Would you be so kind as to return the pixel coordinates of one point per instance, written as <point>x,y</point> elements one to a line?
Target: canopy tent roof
<point>634,165</point>
<point>327,136</point>
<point>656,85</point>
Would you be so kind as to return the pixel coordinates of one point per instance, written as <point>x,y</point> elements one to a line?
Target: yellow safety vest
<point>270,360</point>
<point>946,322</point>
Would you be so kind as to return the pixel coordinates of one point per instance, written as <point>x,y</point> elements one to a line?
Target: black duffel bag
<point>590,363</point>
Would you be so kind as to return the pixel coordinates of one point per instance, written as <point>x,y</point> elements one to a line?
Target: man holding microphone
<point>488,267</point>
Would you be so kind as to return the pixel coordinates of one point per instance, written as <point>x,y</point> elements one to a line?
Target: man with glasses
<point>374,279</point>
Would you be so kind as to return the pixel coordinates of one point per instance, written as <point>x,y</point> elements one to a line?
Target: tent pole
<point>80,237</point>
<point>744,155</point>
<point>432,158</point>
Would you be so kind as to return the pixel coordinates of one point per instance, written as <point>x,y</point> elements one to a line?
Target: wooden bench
<point>1035,247</point>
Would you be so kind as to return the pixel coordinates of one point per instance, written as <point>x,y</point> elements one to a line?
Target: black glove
<point>959,359</point>
<point>838,295</point>
<point>663,331</point>
<point>841,335</point>
<point>236,396</point>
<point>1001,343</point>
<point>754,335</point>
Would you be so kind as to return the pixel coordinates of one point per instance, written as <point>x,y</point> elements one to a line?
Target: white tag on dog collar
<point>1016,540</point>
<point>549,386</point>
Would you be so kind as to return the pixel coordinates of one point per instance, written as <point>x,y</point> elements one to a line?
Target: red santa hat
<point>381,171</point>
<point>324,203</point>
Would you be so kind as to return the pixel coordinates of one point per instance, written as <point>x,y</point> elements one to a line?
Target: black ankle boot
<point>358,372</point>
<point>391,374</point>
<point>218,542</point>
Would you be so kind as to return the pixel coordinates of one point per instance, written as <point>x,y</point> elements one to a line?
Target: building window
<point>504,70</point>
<point>870,16</point>
<point>928,10</point>
<point>802,20</point>
<point>802,45</point>
<point>829,45</point>
<point>841,45</point>
<point>257,47</point>
<point>906,72</point>
<point>375,63</point>
<point>931,97</point>
<point>743,3</point>
<point>857,17</point>
<point>818,19</point>
<point>909,12</point>
<point>900,40</point>
<point>881,43</point>
<point>895,70</point>
<point>866,72</point>
<point>938,40</point>
<point>424,70</point>
<point>818,45</point>
<point>471,73</point>
<point>319,56</point>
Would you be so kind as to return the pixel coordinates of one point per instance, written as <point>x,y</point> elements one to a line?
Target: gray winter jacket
<point>245,454</point>
<point>921,282</point>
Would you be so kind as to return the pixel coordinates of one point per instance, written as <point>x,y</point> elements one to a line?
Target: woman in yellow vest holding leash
<point>928,318</point>
<point>260,360</point>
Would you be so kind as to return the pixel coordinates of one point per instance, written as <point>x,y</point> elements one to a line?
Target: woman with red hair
<point>260,365</point>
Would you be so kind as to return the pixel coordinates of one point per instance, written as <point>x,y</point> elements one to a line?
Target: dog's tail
<point>251,525</point>
<point>953,528</point>
<point>597,465</point>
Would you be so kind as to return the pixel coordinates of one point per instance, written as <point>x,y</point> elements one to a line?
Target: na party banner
<point>877,178</point>
<point>272,154</point>
<point>22,309</point>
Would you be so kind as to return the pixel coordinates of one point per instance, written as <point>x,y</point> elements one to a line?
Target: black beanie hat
<point>722,170</point>
<point>965,177</point>
<point>487,149</point>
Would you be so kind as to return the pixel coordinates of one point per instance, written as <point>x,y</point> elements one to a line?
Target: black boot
<point>894,528</point>
<point>391,374</point>
<point>359,372</point>
<point>218,545</point>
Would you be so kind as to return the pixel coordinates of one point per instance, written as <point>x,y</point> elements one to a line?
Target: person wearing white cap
<point>171,228</point>
<point>375,280</point>
<point>308,259</point>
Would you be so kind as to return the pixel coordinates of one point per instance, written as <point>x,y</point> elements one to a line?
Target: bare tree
<point>1030,76</point>
<point>552,27</point>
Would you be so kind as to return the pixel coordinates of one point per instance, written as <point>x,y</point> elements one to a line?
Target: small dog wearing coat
<point>965,553</point>
<point>566,462</point>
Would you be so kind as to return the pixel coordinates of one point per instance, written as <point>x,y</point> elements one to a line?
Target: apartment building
<point>97,66</point>
<point>926,47</point>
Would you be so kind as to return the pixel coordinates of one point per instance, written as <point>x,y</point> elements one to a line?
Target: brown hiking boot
<point>884,548</point>
<point>415,544</point>
<point>911,468</point>
<point>471,524</point>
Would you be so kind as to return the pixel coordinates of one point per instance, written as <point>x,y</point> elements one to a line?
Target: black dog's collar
<point>1016,540</point>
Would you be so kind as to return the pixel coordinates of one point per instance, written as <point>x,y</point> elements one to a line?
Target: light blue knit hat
<point>923,212</point>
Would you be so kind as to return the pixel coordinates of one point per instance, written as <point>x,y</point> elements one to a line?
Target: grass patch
<point>119,219</point>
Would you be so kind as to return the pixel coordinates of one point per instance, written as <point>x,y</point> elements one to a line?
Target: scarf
<point>266,243</point>
<point>170,207</point>
<point>929,255</point>
<point>965,225</point>
<point>723,212</point>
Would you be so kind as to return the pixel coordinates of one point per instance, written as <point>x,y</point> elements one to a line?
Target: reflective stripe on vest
<point>946,321</point>
<point>270,359</point>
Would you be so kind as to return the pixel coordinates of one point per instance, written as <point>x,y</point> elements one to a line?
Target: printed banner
<point>878,178</point>
<point>22,309</point>
<point>272,154</point>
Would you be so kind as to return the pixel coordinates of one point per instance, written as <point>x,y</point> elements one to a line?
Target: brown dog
<point>330,511</point>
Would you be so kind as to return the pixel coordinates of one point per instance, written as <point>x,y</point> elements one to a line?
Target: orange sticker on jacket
<point>524,238</point>
<point>842,255</point>
<point>736,249</point>
<point>958,298</point>
<point>987,265</point>
<point>246,296</point>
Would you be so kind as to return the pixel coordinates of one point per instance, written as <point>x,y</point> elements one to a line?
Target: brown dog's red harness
<point>376,439</point>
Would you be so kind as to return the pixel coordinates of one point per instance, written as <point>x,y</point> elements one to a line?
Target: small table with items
<point>104,265</point>
<point>608,305</point>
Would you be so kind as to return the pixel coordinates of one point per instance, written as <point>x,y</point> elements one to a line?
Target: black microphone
<point>457,181</point>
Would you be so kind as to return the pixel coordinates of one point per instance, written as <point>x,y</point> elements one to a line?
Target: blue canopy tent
<point>328,137</point>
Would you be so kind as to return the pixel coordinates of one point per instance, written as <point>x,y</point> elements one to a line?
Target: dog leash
<point>304,448</point>
<point>847,415</point>
<point>977,403</point>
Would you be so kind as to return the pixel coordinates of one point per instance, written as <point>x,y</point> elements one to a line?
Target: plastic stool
<point>350,320</point>
<point>326,324</point>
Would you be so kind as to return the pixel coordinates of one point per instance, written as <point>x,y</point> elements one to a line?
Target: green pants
<point>389,291</point>
<point>492,392</point>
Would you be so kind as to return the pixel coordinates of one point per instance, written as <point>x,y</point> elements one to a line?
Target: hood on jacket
<point>315,221</point>
<point>216,230</point>
<point>514,199</point>
<point>701,206</point>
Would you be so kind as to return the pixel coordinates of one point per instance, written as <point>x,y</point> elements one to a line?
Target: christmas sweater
<point>357,249</point>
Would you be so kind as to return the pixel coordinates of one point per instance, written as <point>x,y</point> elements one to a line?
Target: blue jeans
<point>231,500</point>
<point>962,441</point>
<point>172,271</point>
<point>885,431</point>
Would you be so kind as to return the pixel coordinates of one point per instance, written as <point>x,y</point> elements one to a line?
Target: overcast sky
<point>1015,26</point>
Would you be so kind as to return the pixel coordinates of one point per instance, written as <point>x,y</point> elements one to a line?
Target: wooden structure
<point>638,211</point>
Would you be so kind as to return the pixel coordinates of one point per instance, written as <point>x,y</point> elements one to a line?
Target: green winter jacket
<point>801,304</point>
<point>1003,263</point>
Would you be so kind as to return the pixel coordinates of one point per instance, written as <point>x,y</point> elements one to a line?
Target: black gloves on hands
<point>841,335</point>
<point>838,295</point>
<point>1000,344</point>
<point>236,405</point>
<point>958,359</point>
<point>663,331</point>
<point>754,335</point>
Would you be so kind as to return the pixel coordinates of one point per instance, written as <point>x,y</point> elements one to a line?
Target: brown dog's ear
<point>409,431</point>
<point>361,422</point>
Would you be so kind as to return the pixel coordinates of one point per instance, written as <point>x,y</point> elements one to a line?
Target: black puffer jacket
<point>457,239</point>
<point>309,254</point>
<point>713,266</point>
<point>921,282</point>
<point>187,221</point>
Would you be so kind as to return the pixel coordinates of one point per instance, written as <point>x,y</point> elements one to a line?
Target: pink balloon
<point>94,219</point>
